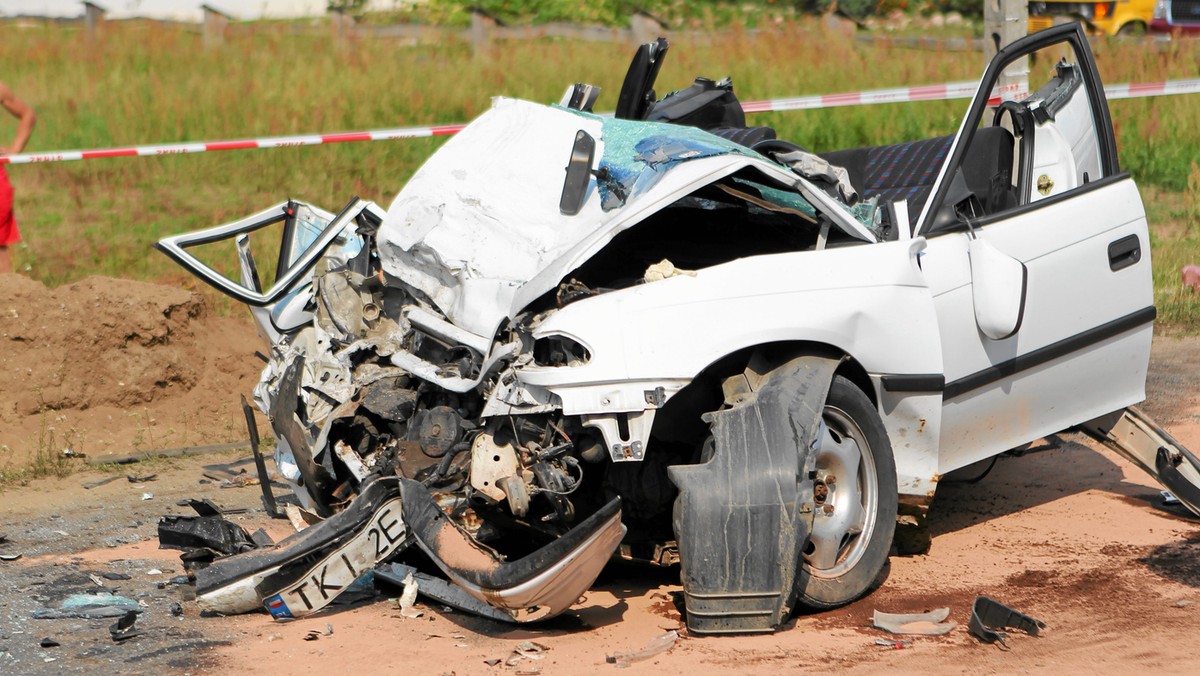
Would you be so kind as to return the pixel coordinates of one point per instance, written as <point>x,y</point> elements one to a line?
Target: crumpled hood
<point>478,228</point>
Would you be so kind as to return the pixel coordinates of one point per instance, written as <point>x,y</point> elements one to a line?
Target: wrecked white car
<point>697,344</point>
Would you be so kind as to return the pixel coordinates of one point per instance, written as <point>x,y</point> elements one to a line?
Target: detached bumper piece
<point>990,618</point>
<point>304,573</point>
<point>743,517</point>
<point>536,587</point>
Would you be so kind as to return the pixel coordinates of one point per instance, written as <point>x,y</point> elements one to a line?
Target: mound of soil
<point>111,366</point>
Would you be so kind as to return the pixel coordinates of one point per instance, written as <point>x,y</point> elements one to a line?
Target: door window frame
<point>1073,35</point>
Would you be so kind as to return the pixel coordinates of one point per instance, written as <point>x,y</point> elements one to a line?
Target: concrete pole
<point>1005,21</point>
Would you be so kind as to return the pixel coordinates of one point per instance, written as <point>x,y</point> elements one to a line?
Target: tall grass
<point>145,83</point>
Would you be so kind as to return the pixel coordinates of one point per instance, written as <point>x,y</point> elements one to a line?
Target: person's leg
<point>5,259</point>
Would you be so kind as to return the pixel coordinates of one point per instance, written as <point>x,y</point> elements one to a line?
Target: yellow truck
<point>1112,17</point>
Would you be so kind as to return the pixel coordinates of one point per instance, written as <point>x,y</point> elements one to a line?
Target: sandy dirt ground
<point>1070,534</point>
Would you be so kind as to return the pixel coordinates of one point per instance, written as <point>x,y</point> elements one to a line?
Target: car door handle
<point>1124,252</point>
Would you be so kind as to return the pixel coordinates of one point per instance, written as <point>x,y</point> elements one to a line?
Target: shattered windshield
<point>637,154</point>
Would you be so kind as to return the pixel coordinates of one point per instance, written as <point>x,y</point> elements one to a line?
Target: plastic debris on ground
<point>933,623</point>
<point>49,643</point>
<point>408,598</point>
<point>657,646</point>
<point>990,618</point>
<point>100,482</point>
<point>894,644</point>
<point>89,606</point>
<point>439,590</point>
<point>125,628</point>
<point>525,650</point>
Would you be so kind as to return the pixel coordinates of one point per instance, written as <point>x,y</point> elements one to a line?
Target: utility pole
<point>1005,21</point>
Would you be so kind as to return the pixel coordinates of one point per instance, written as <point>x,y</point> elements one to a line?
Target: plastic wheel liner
<point>744,517</point>
<point>305,572</point>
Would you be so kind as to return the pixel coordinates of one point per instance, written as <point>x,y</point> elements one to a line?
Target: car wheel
<point>854,502</point>
<point>1133,29</point>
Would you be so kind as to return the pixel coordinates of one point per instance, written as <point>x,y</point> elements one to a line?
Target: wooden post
<point>1005,21</point>
<point>646,27</point>
<point>215,24</point>
<point>482,24</point>
<point>343,25</point>
<point>93,16</point>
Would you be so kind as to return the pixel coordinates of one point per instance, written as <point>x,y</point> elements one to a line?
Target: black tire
<point>860,559</point>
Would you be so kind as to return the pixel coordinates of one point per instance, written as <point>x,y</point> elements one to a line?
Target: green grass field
<point>144,83</point>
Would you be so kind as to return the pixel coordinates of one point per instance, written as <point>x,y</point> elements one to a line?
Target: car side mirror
<point>579,174</point>
<point>998,288</point>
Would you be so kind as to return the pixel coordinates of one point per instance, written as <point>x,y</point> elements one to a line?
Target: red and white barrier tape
<point>247,144</point>
<point>942,92</point>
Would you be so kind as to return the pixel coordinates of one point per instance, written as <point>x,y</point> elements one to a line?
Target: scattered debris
<point>124,628</point>
<point>62,533</point>
<point>240,482</point>
<point>989,618</point>
<point>312,635</point>
<point>1183,603</point>
<point>894,644</point>
<point>49,643</point>
<point>100,482</point>
<point>440,590</point>
<point>300,518</point>
<point>329,630</point>
<point>202,538</point>
<point>665,269</point>
<point>1168,498</point>
<point>525,650</point>
<point>72,454</point>
<point>207,507</point>
<point>154,571</point>
<point>142,479</point>
<point>261,538</point>
<point>88,607</point>
<point>933,623</point>
<point>264,479</point>
<point>657,646</point>
<point>116,576</point>
<point>407,598</point>
<point>492,662</point>
<point>177,608</point>
<point>9,557</point>
<point>96,580</point>
<point>147,496</point>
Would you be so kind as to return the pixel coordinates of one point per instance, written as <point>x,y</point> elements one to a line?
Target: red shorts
<point>8,225</point>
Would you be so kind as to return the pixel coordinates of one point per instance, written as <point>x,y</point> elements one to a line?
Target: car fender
<point>871,302</point>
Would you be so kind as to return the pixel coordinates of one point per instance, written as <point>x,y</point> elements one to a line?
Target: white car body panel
<point>871,302</point>
<point>450,232</point>
<point>1065,247</point>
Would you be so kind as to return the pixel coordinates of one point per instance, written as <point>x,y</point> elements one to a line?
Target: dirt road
<point>1070,534</point>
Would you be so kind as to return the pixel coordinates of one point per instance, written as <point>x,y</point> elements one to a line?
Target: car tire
<point>837,570</point>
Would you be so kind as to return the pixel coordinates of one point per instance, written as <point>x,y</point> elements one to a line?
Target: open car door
<point>1041,277</point>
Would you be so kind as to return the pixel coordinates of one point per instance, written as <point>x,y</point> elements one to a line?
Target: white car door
<point>1035,189</point>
